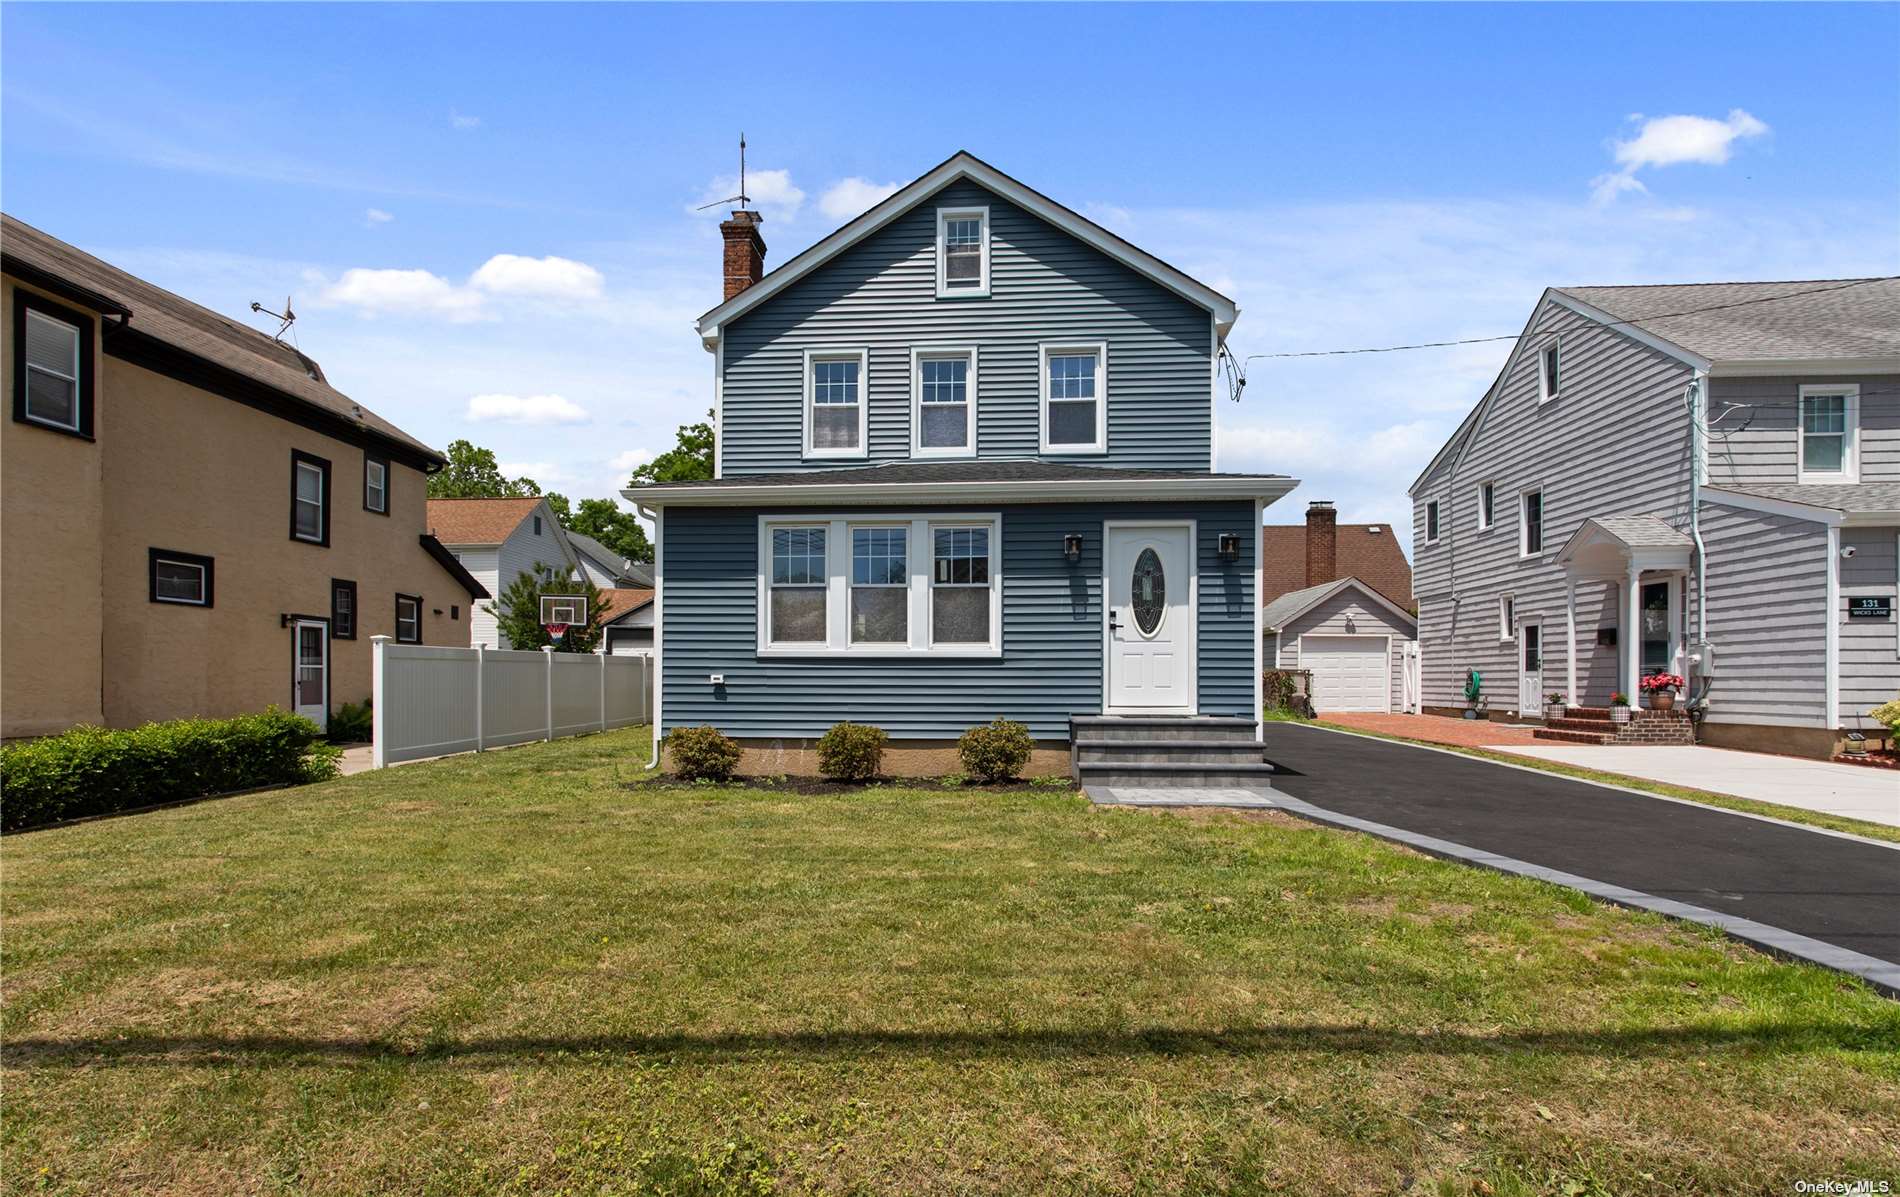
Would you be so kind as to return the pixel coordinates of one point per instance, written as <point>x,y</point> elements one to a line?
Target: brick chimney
<point>745,251</point>
<point>1322,542</point>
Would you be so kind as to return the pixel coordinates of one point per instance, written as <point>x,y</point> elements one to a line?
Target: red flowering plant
<point>1652,683</point>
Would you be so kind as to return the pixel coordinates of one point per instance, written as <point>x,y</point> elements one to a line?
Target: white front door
<point>1151,641</point>
<point>1530,678</point>
<point>1350,673</point>
<point>310,671</point>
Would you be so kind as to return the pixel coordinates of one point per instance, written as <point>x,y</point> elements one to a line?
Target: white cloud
<point>531,409</point>
<point>373,292</point>
<point>544,278</point>
<point>459,120</point>
<point>850,197</point>
<point>376,216</point>
<point>771,191</point>
<point>1672,141</point>
<point>631,460</point>
<point>544,472</point>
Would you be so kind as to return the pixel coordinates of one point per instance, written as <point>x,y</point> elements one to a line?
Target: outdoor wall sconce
<point>1229,546</point>
<point>1072,547</point>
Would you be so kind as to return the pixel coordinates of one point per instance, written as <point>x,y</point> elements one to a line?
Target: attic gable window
<point>963,252</point>
<point>1549,363</point>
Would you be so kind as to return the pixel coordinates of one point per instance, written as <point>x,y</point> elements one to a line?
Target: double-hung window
<point>1431,521</point>
<point>1531,521</point>
<point>1830,433</point>
<point>944,416</point>
<point>1075,398</point>
<point>181,578</point>
<point>1549,366</point>
<point>342,609</point>
<point>1507,617</point>
<point>836,394</point>
<point>1487,505</point>
<point>963,252</point>
<point>408,619</point>
<point>309,498</point>
<point>49,374</point>
<point>376,485</point>
<point>880,584</point>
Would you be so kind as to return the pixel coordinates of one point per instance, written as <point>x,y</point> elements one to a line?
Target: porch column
<point>1632,634</point>
<point>1570,657</point>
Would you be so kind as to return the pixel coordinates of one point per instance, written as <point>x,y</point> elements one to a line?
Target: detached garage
<point>1349,636</point>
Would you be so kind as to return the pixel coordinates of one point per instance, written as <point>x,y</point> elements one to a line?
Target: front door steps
<point>1163,760</point>
<point>1593,725</point>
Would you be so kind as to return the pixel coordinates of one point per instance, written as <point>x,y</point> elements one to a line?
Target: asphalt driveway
<point>1841,891</point>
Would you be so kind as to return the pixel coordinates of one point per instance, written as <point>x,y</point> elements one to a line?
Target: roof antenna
<point>742,199</point>
<point>285,319</point>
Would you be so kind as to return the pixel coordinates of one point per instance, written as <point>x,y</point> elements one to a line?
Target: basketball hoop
<point>559,612</point>
<point>555,630</point>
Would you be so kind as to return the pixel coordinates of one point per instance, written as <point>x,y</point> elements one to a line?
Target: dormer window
<point>963,252</point>
<point>835,381</point>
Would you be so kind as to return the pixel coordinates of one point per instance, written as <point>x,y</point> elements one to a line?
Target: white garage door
<point>1349,672</point>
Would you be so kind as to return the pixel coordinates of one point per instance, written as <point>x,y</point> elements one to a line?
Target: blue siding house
<point>964,453</point>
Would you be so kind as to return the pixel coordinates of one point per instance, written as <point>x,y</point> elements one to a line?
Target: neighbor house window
<point>799,581</point>
<point>1431,522</point>
<point>342,609</point>
<point>944,381</point>
<point>1507,617</point>
<point>963,252</point>
<point>309,498</point>
<point>835,386</point>
<point>1074,398</point>
<point>1830,433</point>
<point>408,619</point>
<point>1487,505</point>
<point>182,578</point>
<point>880,586</point>
<point>1532,512</point>
<point>1549,363</point>
<point>52,365</point>
<point>537,525</point>
<point>376,485</point>
<point>887,601</point>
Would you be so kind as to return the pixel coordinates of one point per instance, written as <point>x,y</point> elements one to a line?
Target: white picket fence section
<point>431,701</point>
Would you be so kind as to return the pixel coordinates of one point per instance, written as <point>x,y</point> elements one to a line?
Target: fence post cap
<point>379,639</point>
<point>548,649</point>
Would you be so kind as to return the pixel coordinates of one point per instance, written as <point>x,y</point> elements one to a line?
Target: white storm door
<point>1530,678</point>
<point>310,671</point>
<point>1151,641</point>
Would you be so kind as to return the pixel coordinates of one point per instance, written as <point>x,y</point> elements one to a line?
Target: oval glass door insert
<point>1150,592</point>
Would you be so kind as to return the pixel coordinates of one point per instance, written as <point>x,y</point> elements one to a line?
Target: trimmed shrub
<point>703,753</point>
<point>996,751</point>
<point>852,751</point>
<point>352,723</point>
<point>97,770</point>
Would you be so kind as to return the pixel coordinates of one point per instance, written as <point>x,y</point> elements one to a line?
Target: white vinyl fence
<point>1413,697</point>
<point>433,701</point>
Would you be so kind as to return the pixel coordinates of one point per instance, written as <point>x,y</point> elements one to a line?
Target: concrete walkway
<point>1851,791</point>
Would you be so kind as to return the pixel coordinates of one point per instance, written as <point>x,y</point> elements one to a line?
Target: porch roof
<point>1615,544</point>
<point>1850,502</point>
<point>1019,480</point>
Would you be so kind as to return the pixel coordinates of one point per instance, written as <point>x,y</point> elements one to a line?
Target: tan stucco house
<point>192,520</point>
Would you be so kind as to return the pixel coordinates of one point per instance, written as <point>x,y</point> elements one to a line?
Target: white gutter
<point>1206,487</point>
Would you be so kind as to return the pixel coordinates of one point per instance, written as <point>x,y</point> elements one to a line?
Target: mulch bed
<point>1870,760</point>
<point>826,785</point>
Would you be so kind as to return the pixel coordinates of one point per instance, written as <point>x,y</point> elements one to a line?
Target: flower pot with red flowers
<point>1619,707</point>
<point>1660,689</point>
<point>1555,707</point>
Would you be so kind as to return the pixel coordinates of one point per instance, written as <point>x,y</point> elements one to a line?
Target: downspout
<point>657,515</point>
<point>1697,399</point>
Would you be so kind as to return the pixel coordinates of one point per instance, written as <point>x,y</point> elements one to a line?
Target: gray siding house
<point>963,469</point>
<point>1702,480</point>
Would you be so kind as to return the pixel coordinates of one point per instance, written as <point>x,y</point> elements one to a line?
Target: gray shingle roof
<point>1818,318</point>
<point>958,471</point>
<point>181,324</point>
<point>1643,531</point>
<point>1852,497</point>
<point>1291,605</point>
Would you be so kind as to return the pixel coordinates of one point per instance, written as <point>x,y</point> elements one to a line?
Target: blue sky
<point>484,212</point>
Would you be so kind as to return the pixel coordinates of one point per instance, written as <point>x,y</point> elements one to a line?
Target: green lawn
<point>510,974</point>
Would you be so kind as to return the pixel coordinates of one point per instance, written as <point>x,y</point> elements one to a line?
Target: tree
<point>689,461</point>
<point>518,611</point>
<point>605,521</point>
<point>472,474</point>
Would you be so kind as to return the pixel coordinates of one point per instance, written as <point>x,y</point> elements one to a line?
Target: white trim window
<point>1431,521</point>
<point>1487,505</point>
<point>1550,370</point>
<point>1075,397</point>
<point>836,394</point>
<point>880,585</point>
<point>1830,433</point>
<point>796,609</point>
<point>1507,617</point>
<point>943,413</point>
<point>1530,522</point>
<point>376,485</point>
<point>52,371</point>
<point>963,253</point>
<point>178,581</point>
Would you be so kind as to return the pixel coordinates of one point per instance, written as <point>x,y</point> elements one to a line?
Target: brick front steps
<point>1593,725</point>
